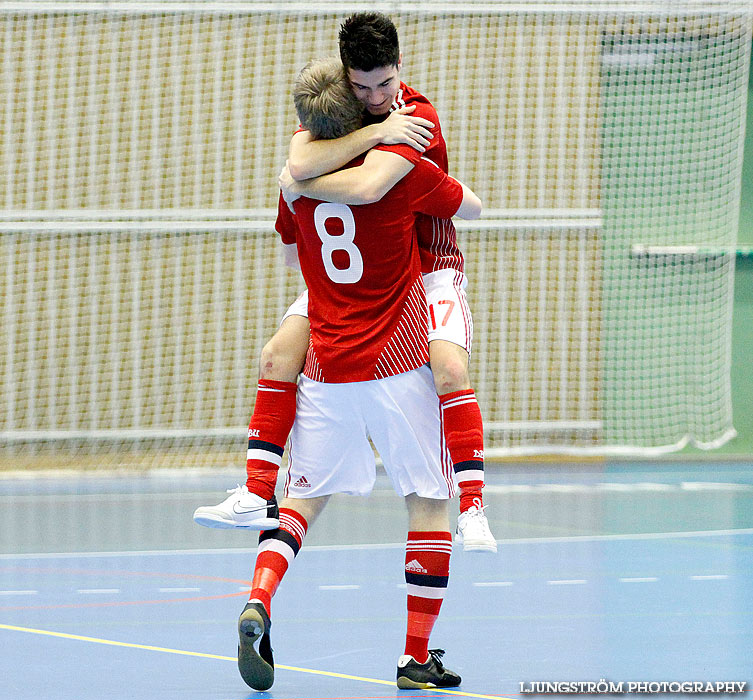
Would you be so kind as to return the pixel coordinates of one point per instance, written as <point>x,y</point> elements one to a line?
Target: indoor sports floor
<point>624,572</point>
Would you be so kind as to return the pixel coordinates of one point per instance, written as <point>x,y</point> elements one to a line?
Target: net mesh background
<point>140,148</point>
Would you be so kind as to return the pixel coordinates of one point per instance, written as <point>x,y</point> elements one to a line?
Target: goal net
<point>141,274</point>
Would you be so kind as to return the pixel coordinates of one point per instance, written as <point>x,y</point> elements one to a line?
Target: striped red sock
<point>464,434</point>
<point>427,570</point>
<point>274,413</point>
<point>277,549</point>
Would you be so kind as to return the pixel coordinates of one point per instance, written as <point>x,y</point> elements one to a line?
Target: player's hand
<point>288,187</point>
<point>401,127</point>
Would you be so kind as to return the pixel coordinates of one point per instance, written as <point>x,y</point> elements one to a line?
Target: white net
<point>141,275</point>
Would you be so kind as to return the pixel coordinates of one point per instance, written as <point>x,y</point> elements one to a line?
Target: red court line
<point>117,572</point>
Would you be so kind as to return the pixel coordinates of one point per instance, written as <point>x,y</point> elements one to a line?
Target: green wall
<point>742,330</point>
<point>746,200</point>
<point>742,354</point>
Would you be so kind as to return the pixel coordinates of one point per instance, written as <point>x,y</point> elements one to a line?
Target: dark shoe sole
<point>415,676</point>
<point>407,684</point>
<point>255,671</point>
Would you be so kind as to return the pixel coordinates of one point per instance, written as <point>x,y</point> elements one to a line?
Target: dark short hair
<point>325,103</point>
<point>368,40</point>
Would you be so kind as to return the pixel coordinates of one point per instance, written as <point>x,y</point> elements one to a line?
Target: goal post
<point>142,275</point>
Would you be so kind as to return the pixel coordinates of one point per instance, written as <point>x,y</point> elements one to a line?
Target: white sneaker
<point>241,509</point>
<point>473,531</point>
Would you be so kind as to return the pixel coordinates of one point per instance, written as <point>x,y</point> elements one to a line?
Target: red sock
<point>274,413</point>
<point>427,569</point>
<point>464,434</point>
<point>277,549</point>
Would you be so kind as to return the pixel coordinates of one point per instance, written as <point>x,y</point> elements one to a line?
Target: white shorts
<point>329,444</point>
<point>449,314</point>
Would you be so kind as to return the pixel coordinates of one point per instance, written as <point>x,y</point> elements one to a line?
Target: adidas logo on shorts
<point>415,568</point>
<point>302,483</point>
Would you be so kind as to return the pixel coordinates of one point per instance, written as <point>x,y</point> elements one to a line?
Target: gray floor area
<point>152,511</point>
<point>629,572</point>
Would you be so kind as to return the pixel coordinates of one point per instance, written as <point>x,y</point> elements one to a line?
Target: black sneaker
<point>411,674</point>
<point>257,668</point>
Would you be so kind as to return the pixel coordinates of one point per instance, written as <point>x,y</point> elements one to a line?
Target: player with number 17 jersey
<point>437,238</point>
<point>367,307</point>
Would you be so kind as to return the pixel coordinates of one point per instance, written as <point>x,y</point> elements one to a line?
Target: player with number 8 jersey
<point>374,78</point>
<point>400,125</point>
<point>367,304</point>
<point>365,383</point>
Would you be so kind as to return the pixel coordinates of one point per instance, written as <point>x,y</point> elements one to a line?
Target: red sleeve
<point>424,110</point>
<point>285,224</point>
<point>432,191</point>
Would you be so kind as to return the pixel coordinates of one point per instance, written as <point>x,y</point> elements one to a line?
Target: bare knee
<point>449,365</point>
<point>279,363</point>
<point>450,376</point>
<point>283,356</point>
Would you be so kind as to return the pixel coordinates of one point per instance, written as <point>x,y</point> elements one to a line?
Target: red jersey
<point>367,306</point>
<point>437,238</point>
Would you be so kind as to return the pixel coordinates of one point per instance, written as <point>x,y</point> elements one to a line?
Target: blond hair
<point>325,103</point>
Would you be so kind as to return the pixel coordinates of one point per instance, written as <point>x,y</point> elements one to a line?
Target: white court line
<point>390,545</point>
<point>98,497</point>
<point>710,577</point>
<point>714,486</point>
<point>639,579</point>
<point>179,590</point>
<point>19,592</point>
<point>617,487</point>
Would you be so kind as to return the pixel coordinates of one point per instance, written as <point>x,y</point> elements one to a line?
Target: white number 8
<point>354,271</point>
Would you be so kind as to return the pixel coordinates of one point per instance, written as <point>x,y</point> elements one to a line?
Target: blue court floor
<point>622,572</point>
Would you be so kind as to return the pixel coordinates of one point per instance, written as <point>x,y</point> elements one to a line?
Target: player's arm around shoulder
<point>309,157</point>
<point>363,184</point>
<point>379,173</point>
